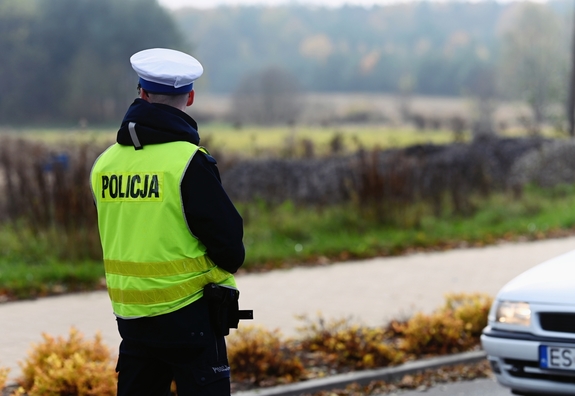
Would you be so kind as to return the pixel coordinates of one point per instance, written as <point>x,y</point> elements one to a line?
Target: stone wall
<point>550,165</point>
<point>422,171</point>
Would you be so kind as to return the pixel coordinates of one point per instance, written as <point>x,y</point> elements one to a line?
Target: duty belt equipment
<point>224,308</point>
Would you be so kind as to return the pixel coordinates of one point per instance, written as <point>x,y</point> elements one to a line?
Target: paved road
<point>480,387</point>
<point>377,290</point>
<point>371,292</point>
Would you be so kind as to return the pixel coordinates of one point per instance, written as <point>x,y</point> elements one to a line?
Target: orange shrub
<point>345,345</point>
<point>257,355</point>
<point>68,367</point>
<point>3,376</point>
<point>439,333</point>
<point>472,309</point>
<point>455,327</point>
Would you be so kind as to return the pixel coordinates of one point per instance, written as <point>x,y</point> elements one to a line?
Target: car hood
<point>551,282</point>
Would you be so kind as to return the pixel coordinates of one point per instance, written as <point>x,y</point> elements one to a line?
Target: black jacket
<point>210,214</point>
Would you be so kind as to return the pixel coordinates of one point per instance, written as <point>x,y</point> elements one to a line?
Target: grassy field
<point>259,141</point>
<point>276,237</point>
<point>274,141</point>
<point>256,141</point>
<point>283,236</point>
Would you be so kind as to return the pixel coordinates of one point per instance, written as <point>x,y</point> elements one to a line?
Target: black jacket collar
<point>157,123</point>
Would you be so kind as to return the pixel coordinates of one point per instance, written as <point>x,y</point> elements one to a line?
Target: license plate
<point>555,357</point>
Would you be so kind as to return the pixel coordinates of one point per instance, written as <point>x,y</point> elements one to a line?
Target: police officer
<point>167,229</point>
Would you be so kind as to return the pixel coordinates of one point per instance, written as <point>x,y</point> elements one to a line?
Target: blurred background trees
<point>270,96</point>
<point>347,49</point>
<point>67,60</point>
<point>534,59</point>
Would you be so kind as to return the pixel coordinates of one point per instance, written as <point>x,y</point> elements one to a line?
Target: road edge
<point>366,376</point>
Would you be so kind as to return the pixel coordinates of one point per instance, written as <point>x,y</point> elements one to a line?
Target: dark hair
<point>140,88</point>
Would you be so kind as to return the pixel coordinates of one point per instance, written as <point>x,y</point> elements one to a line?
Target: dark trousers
<point>145,370</point>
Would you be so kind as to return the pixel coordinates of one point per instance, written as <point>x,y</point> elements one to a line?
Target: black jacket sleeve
<point>211,215</point>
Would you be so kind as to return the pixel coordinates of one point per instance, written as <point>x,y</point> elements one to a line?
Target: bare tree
<point>405,88</point>
<point>533,58</point>
<point>571,95</point>
<point>482,89</point>
<point>270,96</point>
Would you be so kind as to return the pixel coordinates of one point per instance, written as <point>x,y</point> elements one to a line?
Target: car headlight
<point>514,313</point>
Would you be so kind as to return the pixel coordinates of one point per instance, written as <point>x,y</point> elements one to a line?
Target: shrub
<point>438,333</point>
<point>46,193</point>
<point>68,367</point>
<point>472,309</point>
<point>3,376</point>
<point>259,356</point>
<point>351,346</point>
<point>455,327</point>
<point>553,164</point>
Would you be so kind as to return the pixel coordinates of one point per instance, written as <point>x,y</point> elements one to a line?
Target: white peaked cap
<point>166,71</point>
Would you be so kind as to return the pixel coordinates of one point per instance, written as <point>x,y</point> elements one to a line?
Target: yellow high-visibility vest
<point>154,265</point>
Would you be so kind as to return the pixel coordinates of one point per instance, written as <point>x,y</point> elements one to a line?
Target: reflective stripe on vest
<point>185,286</point>
<point>176,267</point>
<point>154,265</point>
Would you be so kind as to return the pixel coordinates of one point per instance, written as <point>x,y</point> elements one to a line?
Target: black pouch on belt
<point>223,302</point>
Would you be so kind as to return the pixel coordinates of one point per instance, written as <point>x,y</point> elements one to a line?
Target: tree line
<point>485,50</point>
<point>67,60</point>
<point>438,46</point>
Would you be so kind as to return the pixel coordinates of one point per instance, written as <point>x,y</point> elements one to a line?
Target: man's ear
<point>190,98</point>
<point>144,95</point>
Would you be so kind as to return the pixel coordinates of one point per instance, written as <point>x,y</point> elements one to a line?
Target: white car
<point>530,337</point>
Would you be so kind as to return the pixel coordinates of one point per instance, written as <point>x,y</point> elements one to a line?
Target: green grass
<point>20,279</point>
<point>274,141</point>
<point>31,264</point>
<point>286,235</point>
<point>103,135</point>
<point>52,261</point>
<point>259,140</point>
